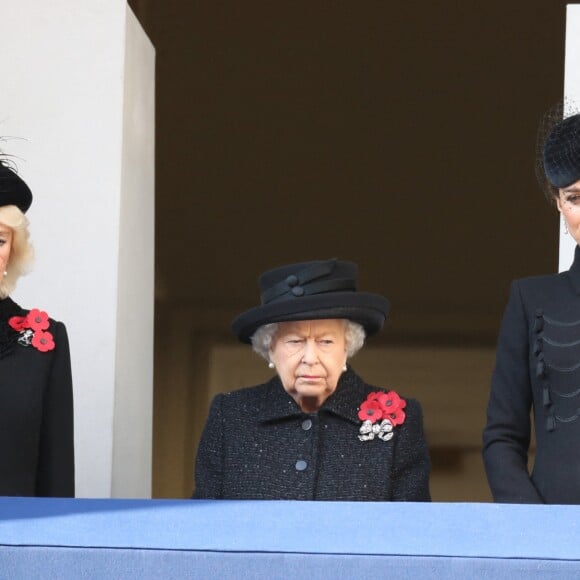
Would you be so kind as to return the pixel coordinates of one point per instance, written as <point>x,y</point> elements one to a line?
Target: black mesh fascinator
<point>558,149</point>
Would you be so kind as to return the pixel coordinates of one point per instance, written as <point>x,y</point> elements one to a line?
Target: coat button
<point>301,465</point>
<point>306,424</point>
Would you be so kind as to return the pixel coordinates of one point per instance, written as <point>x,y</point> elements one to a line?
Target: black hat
<point>13,190</point>
<point>312,291</point>
<point>561,154</point>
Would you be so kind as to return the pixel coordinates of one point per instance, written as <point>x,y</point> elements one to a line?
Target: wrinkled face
<point>309,357</point>
<point>569,206</point>
<point>5,247</point>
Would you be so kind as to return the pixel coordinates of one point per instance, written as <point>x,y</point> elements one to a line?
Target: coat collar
<point>574,272</point>
<point>350,392</point>
<point>8,336</point>
<point>9,308</point>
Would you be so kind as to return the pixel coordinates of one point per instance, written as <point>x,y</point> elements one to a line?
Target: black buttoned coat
<point>36,413</point>
<point>258,444</point>
<point>537,369</point>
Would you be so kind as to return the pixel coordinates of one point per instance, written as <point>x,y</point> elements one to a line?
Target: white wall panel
<point>572,96</point>
<point>64,84</point>
<point>132,455</point>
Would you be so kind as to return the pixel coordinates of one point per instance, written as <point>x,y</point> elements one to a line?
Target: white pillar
<point>78,93</point>
<point>572,96</point>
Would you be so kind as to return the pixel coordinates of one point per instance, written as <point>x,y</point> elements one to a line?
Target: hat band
<point>323,287</point>
<point>299,278</point>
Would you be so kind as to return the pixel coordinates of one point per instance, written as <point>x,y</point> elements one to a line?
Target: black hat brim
<point>369,310</point>
<point>13,190</point>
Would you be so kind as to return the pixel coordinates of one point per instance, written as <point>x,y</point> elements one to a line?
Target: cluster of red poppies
<point>37,321</point>
<point>381,405</point>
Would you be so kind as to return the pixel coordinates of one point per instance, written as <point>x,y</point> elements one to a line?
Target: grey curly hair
<point>262,339</point>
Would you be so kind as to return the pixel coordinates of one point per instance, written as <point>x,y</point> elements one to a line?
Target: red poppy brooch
<point>32,328</point>
<point>380,413</point>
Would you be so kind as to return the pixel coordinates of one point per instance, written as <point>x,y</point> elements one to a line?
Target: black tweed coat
<point>36,413</point>
<point>258,444</point>
<point>537,367</point>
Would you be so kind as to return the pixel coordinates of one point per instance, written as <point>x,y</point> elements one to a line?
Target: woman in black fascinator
<point>36,405</point>
<point>537,372</point>
<point>316,430</point>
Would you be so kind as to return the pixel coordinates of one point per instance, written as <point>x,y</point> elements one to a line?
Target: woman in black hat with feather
<point>315,431</point>
<point>538,355</point>
<point>36,407</point>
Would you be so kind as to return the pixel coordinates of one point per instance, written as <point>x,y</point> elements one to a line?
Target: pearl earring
<point>270,365</point>
<point>565,226</point>
<point>5,273</point>
<point>344,367</point>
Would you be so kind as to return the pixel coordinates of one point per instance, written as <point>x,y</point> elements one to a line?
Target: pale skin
<point>309,357</point>
<point>5,247</point>
<point>568,202</point>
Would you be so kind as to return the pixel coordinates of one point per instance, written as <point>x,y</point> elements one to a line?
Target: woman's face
<point>568,203</point>
<point>5,247</point>
<point>309,357</point>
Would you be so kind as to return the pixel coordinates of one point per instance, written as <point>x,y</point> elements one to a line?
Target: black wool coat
<point>36,413</point>
<point>258,444</point>
<point>537,368</point>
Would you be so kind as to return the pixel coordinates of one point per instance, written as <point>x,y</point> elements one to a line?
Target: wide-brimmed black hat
<point>312,291</point>
<point>13,189</point>
<point>561,153</point>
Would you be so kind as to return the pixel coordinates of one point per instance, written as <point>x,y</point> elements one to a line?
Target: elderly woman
<point>316,431</point>
<point>36,411</point>
<point>538,357</point>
